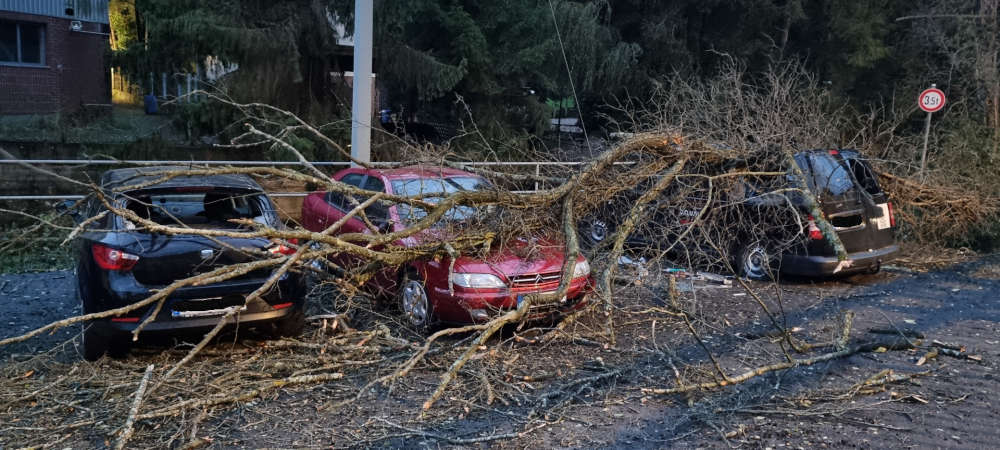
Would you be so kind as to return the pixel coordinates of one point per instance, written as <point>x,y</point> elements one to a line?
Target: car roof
<point>133,176</point>
<point>422,171</point>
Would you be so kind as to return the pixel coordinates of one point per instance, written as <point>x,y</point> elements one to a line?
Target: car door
<point>878,210</point>
<point>351,201</point>
<point>321,212</point>
<point>840,199</point>
<point>384,282</point>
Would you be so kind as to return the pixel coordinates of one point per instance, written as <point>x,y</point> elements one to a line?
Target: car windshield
<point>195,209</point>
<point>434,189</point>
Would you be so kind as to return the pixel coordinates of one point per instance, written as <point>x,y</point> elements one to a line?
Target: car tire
<point>418,311</point>
<point>291,325</point>
<point>755,262</point>
<point>96,341</point>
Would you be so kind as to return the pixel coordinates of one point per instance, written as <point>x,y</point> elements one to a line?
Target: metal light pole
<point>361,107</point>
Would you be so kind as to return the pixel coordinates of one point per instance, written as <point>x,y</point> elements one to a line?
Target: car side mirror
<point>67,207</point>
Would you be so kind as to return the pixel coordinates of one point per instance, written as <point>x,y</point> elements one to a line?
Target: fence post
<point>188,87</point>
<point>163,78</point>
<point>538,172</point>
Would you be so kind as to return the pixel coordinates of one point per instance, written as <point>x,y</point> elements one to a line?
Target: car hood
<point>518,257</point>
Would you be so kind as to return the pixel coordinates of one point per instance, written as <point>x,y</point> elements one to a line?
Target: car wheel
<point>95,341</point>
<point>593,232</point>
<point>292,324</point>
<point>755,262</point>
<point>415,303</point>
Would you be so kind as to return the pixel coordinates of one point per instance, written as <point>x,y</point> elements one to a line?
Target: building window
<point>22,43</point>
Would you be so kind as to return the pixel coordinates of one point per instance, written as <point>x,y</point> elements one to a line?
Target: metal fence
<point>536,165</point>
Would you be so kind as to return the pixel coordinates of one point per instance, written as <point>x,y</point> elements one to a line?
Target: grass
<point>35,248</point>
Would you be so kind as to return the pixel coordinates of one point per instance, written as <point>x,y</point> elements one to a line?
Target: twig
<point>220,400</point>
<point>783,366</point>
<point>462,441</point>
<point>136,403</point>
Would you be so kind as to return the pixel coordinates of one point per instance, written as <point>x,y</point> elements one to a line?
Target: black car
<point>120,263</point>
<point>846,189</point>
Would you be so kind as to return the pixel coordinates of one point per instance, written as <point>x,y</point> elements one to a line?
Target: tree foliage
<point>505,60</point>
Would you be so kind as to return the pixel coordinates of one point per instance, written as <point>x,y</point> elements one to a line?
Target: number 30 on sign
<point>931,100</point>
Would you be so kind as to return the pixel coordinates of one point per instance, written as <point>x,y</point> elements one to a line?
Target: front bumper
<point>812,265</point>
<point>471,306</point>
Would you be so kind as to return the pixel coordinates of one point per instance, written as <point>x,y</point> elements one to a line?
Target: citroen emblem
<point>207,253</point>
<point>538,278</point>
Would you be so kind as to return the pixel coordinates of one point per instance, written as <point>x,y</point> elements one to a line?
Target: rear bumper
<point>812,265</point>
<point>204,323</point>
<point>289,293</point>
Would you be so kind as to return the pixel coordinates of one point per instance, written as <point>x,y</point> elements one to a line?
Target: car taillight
<point>282,249</point>
<point>814,232</point>
<point>892,216</point>
<point>113,259</point>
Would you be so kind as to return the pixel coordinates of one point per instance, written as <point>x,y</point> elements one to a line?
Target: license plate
<point>520,299</point>
<point>883,222</point>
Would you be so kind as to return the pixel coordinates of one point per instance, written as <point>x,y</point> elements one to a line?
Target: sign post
<point>930,100</point>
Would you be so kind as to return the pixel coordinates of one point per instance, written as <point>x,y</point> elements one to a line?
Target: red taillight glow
<point>814,232</point>
<point>113,259</point>
<point>283,249</point>
<point>282,305</point>
<point>892,216</point>
<point>125,319</point>
<point>834,152</point>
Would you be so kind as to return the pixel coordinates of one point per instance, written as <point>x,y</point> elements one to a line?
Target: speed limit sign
<point>931,100</point>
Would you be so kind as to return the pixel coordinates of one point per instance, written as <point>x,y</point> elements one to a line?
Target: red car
<point>479,288</point>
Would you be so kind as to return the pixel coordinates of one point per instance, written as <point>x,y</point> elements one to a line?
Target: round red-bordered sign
<point>931,100</point>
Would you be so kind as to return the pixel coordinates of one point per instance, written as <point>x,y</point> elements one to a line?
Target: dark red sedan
<point>480,287</point>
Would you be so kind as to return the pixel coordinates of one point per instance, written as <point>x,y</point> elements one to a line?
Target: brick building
<point>53,56</point>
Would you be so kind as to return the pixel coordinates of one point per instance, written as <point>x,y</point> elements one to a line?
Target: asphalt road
<point>954,406</point>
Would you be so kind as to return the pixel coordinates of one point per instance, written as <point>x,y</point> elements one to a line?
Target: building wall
<point>74,73</point>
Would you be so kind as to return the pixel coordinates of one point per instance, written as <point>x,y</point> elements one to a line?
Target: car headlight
<point>582,269</point>
<point>477,280</point>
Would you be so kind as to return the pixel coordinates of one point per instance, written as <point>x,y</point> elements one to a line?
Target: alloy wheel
<point>415,303</point>
<point>598,230</point>
<point>756,263</point>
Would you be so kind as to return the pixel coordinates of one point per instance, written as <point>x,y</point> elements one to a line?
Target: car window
<point>337,199</point>
<point>829,177</point>
<point>377,212</point>
<point>374,184</point>
<point>862,172</point>
<point>353,179</point>
<point>198,210</point>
